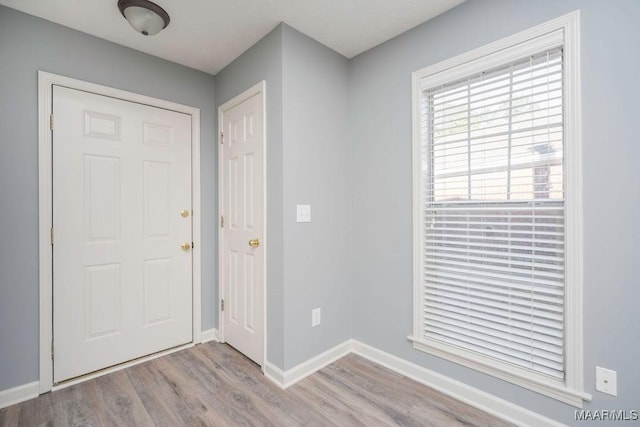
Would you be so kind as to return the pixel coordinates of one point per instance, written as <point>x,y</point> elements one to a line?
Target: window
<point>497,253</point>
<point>494,213</point>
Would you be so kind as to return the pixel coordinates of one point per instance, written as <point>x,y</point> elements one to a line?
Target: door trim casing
<point>45,187</point>
<point>258,88</point>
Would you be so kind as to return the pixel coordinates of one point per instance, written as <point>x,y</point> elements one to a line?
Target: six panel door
<point>243,231</point>
<point>122,281</point>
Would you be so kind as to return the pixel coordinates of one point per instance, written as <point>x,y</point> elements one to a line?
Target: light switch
<point>303,213</point>
<point>315,317</point>
<point>606,381</point>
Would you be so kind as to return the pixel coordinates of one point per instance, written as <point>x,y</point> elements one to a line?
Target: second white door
<point>242,233</point>
<point>122,279</point>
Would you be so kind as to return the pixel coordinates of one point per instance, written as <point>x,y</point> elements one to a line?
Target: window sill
<point>512,374</point>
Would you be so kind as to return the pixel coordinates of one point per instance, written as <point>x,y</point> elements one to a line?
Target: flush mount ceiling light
<point>144,16</point>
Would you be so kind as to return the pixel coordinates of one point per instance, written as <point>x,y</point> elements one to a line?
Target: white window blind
<point>493,210</point>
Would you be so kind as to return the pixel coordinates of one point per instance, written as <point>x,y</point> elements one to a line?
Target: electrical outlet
<point>606,381</point>
<point>315,317</point>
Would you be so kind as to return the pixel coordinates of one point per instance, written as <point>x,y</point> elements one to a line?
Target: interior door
<point>242,206</point>
<point>122,269</point>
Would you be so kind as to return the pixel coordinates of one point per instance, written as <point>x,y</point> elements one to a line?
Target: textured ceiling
<point>209,34</point>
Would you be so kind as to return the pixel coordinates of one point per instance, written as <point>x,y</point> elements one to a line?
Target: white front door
<point>122,283</point>
<point>242,234</point>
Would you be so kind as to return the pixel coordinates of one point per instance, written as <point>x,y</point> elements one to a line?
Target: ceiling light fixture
<point>144,16</point>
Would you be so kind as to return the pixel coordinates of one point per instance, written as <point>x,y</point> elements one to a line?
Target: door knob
<point>184,213</point>
<point>185,246</point>
<point>254,243</point>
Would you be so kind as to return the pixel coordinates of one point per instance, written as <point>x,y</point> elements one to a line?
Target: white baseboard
<point>19,394</point>
<point>273,373</point>
<point>458,390</point>
<point>209,335</point>
<point>287,378</point>
<point>284,379</point>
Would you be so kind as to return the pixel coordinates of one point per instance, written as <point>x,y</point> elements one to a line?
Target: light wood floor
<point>213,385</point>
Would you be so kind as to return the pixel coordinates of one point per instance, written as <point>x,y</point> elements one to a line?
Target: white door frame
<point>259,88</point>
<point>45,188</point>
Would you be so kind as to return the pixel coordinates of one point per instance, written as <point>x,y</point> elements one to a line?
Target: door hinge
<point>52,239</point>
<point>51,350</point>
<point>221,305</point>
<point>51,121</point>
<point>221,221</point>
<point>221,138</point>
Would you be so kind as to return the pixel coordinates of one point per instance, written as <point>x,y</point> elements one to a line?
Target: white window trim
<point>564,30</point>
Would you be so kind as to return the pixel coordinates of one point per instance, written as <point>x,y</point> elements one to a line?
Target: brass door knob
<point>184,213</point>
<point>254,243</point>
<point>185,246</point>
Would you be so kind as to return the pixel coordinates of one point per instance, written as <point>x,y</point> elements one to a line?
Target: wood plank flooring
<point>214,385</point>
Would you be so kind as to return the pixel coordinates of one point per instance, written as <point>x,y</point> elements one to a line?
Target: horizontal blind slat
<point>487,227</point>
<point>506,288</point>
<point>531,130</point>
<point>436,234</point>
<point>526,306</point>
<point>556,260</point>
<point>463,256</point>
<point>531,355</point>
<point>522,323</point>
<point>496,315</point>
<point>486,265</point>
<point>519,340</point>
<point>446,288</point>
<point>548,252</point>
<point>448,222</point>
<point>517,358</point>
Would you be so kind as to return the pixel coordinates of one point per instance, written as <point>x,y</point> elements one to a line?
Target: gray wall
<point>29,44</point>
<point>263,61</point>
<point>317,256</point>
<point>307,155</point>
<point>380,114</point>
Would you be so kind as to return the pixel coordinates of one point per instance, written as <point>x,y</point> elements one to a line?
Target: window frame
<point>564,31</point>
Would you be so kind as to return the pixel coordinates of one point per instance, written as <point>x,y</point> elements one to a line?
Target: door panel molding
<point>257,89</point>
<point>45,185</point>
